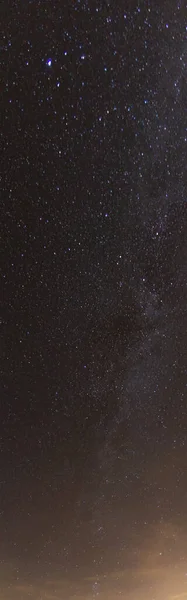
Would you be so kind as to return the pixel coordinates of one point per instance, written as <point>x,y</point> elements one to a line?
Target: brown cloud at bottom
<point>131,584</point>
<point>160,574</point>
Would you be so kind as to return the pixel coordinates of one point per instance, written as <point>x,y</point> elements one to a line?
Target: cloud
<point>160,573</point>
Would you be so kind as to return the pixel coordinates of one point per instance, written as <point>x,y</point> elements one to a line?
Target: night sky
<point>93,429</point>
